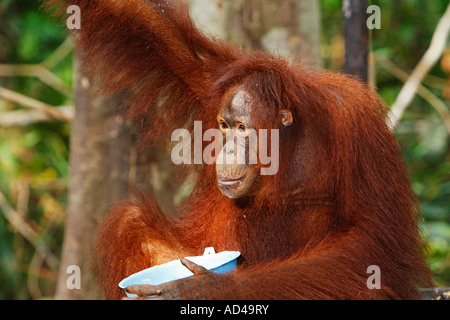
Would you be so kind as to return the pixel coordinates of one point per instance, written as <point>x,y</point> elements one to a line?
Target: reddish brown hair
<point>340,202</point>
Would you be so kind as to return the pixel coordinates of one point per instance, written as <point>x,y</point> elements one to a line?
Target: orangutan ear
<point>286,117</point>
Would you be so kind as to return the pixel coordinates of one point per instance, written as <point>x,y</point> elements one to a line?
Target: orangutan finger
<point>193,267</point>
<point>144,290</point>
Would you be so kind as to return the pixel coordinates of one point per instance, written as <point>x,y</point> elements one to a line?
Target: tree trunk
<point>105,162</point>
<point>356,37</point>
<point>289,28</point>
<point>309,30</point>
<point>99,167</point>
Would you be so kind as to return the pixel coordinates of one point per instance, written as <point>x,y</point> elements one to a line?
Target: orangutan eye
<point>223,125</point>
<point>241,127</point>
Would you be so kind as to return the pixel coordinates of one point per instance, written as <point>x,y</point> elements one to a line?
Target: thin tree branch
<point>437,46</point>
<point>27,232</point>
<point>59,54</point>
<point>33,104</point>
<point>22,118</point>
<point>426,94</point>
<point>35,70</point>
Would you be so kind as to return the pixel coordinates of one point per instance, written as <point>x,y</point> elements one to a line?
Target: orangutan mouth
<point>230,182</point>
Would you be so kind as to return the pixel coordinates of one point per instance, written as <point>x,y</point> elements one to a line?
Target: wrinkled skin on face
<point>238,172</point>
<point>235,174</point>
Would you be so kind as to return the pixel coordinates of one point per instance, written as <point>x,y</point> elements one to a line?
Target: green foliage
<point>33,159</point>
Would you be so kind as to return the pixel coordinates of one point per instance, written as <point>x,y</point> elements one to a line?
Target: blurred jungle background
<point>38,73</point>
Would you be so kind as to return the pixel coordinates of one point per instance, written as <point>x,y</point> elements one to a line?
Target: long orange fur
<point>341,201</point>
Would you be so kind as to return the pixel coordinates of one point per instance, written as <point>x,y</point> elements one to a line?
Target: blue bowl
<point>221,262</point>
